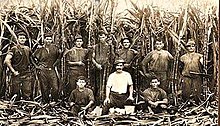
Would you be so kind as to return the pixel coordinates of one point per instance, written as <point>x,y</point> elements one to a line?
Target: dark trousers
<point>99,82</point>
<point>77,108</point>
<point>21,82</point>
<point>162,76</point>
<point>192,86</point>
<point>116,100</point>
<point>73,74</point>
<point>49,84</point>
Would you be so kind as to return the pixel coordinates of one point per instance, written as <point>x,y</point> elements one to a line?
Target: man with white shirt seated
<point>116,88</point>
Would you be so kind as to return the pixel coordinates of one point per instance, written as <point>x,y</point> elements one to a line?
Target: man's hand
<point>84,108</point>
<point>107,100</point>
<point>147,75</point>
<point>154,104</point>
<point>16,73</point>
<point>81,63</point>
<point>99,66</point>
<point>130,98</point>
<point>163,106</point>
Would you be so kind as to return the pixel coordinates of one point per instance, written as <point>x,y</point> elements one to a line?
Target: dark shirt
<point>20,58</point>
<point>102,53</point>
<point>158,60</point>
<point>127,55</point>
<point>81,98</point>
<point>154,94</point>
<point>76,55</point>
<point>191,63</point>
<point>47,56</point>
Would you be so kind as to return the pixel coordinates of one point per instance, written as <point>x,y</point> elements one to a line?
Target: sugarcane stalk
<point>63,22</point>
<point>205,52</point>
<point>89,40</point>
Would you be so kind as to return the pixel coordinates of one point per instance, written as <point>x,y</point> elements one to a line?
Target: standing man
<point>157,62</point>
<point>116,88</point>
<point>45,59</point>
<point>18,61</point>
<point>76,59</point>
<point>127,54</point>
<point>192,62</point>
<point>102,57</point>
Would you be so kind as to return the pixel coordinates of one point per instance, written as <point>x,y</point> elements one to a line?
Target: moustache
<point>119,69</point>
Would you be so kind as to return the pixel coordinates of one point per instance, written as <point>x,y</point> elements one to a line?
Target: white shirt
<point>118,82</point>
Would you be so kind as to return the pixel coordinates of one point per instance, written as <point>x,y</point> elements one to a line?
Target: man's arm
<point>107,100</point>
<point>145,62</point>
<point>8,63</point>
<point>95,63</point>
<point>131,90</point>
<point>88,105</point>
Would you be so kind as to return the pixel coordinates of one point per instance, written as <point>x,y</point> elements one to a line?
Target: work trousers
<point>192,86</point>
<point>22,86</point>
<point>116,100</point>
<point>49,84</point>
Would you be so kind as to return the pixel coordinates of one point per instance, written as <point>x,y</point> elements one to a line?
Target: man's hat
<point>124,38</point>
<point>190,42</point>
<point>19,33</point>
<point>119,61</point>
<point>78,36</point>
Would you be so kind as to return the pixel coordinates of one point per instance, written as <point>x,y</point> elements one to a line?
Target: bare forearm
<point>131,89</point>
<point>89,104</point>
<point>107,92</point>
<point>144,68</point>
<point>8,63</point>
<point>164,101</point>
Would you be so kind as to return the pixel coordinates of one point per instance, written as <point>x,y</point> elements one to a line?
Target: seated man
<point>81,98</point>
<point>116,88</point>
<point>155,97</point>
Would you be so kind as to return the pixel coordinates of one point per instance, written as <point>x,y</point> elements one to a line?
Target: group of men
<point>110,76</point>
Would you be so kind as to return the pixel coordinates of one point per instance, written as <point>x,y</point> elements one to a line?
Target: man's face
<point>48,39</point>
<point>159,45</point>
<point>81,83</point>
<point>21,39</point>
<point>79,43</point>
<point>102,37</point>
<point>155,83</point>
<point>119,67</point>
<point>126,43</point>
<point>191,48</point>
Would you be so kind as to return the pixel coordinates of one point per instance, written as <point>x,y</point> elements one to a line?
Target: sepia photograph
<point>109,62</point>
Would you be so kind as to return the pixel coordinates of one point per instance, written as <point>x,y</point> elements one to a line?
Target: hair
<point>154,77</point>
<point>82,78</point>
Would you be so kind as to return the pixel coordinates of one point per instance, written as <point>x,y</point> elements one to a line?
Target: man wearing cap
<point>102,58</point>
<point>157,62</point>
<point>116,88</point>
<point>76,59</point>
<point>45,59</point>
<point>18,62</point>
<point>192,62</point>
